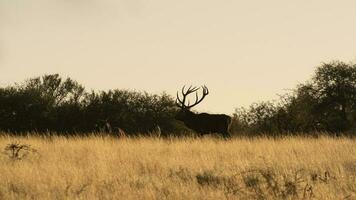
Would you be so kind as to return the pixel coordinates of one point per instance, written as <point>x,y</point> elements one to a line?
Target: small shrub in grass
<point>263,183</point>
<point>18,151</point>
<point>207,178</point>
<point>226,183</point>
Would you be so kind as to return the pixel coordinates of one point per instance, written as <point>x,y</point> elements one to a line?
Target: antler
<point>181,103</point>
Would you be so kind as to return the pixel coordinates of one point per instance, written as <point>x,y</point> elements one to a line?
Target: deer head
<point>186,106</point>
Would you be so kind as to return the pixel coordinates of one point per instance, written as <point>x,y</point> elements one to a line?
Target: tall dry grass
<point>187,168</point>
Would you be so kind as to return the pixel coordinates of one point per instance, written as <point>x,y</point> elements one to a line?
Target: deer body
<point>202,123</point>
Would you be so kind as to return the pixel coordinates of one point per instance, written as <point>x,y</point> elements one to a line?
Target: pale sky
<point>244,51</point>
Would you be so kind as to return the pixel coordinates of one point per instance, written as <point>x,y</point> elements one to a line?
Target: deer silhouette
<point>202,123</point>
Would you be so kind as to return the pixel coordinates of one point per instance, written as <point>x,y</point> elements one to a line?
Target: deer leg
<point>226,135</point>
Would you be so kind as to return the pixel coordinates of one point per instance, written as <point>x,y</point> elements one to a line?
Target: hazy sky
<point>244,51</point>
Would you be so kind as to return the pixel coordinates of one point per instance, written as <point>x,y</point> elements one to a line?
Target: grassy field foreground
<point>188,168</point>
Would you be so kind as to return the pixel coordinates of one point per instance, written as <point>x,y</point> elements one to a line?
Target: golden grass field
<point>180,168</point>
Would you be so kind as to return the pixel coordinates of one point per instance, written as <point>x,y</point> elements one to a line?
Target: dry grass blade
<point>97,167</point>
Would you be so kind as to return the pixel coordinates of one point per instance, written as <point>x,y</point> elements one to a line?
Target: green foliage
<point>336,86</point>
<point>326,103</point>
<point>41,104</point>
<point>50,103</point>
<point>131,111</point>
<point>259,117</point>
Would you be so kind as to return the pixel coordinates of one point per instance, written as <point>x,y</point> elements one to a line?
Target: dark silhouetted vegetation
<point>326,103</point>
<point>50,103</point>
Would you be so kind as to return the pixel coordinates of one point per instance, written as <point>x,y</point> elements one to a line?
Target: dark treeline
<point>326,103</point>
<point>50,103</point>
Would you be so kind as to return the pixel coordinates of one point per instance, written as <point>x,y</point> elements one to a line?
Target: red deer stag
<point>202,123</point>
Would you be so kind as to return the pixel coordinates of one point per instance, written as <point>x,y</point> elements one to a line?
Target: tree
<point>336,86</point>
